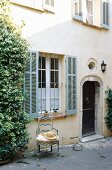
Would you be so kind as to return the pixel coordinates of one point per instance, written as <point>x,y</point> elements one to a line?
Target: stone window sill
<point>41,9</point>
<point>102,27</point>
<point>54,117</point>
<point>93,26</point>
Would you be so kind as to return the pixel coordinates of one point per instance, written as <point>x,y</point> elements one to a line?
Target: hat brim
<point>50,138</point>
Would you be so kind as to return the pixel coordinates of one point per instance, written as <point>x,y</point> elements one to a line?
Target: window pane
<point>52,104</point>
<point>39,62</point>
<point>43,63</point>
<point>56,104</point>
<point>47,2</point>
<point>41,105</point>
<point>76,8</point>
<point>56,63</point>
<point>52,3</point>
<point>43,78</point>
<point>56,79</point>
<point>56,76</point>
<point>52,63</point>
<point>89,7</point>
<point>39,76</point>
<point>80,8</point>
<point>52,79</point>
<point>57,93</point>
<point>52,76</point>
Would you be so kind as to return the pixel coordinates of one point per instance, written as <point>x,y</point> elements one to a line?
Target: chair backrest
<point>45,127</point>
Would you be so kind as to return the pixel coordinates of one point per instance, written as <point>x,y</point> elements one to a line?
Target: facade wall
<point>60,34</point>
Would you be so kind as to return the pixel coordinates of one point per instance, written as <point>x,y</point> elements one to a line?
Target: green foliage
<point>109,113</point>
<point>13,57</point>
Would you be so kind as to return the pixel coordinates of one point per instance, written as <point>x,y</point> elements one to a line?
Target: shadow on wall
<point>68,38</point>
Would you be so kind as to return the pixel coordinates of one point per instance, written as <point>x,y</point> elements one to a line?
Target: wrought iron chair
<point>43,128</point>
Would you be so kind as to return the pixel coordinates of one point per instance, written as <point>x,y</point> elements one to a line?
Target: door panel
<point>88,121</point>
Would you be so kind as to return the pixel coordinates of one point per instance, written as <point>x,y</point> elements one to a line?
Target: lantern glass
<point>103,67</point>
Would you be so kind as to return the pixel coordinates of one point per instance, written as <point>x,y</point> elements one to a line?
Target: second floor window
<point>78,9</point>
<point>36,4</point>
<point>92,12</point>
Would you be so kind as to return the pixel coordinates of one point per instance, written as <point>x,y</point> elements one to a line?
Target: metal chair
<point>45,127</point>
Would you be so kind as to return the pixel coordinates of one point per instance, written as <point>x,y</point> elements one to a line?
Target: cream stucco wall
<point>59,33</point>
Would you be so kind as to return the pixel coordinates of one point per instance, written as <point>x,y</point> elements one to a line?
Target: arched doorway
<point>91,106</point>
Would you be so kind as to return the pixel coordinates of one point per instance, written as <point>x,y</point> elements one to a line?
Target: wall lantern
<point>103,66</point>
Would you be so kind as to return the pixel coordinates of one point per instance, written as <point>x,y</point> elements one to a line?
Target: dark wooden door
<point>88,120</point>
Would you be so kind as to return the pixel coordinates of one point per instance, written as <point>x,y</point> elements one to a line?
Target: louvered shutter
<point>27,87</point>
<point>31,85</point>
<point>70,85</point>
<point>105,16</point>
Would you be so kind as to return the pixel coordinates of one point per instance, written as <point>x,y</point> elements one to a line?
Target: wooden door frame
<point>99,130</point>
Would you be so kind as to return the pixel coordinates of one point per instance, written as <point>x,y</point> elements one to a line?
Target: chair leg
<point>51,148</point>
<point>38,146</point>
<point>58,146</point>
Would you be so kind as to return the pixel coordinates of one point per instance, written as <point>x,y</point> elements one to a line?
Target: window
<point>77,9</point>
<point>42,84</point>
<point>48,83</point>
<point>89,12</point>
<point>105,13</point>
<point>36,4</point>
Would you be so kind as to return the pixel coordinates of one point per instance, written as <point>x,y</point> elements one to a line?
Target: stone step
<point>91,138</point>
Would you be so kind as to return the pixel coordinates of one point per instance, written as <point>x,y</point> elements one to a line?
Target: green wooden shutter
<point>70,85</point>
<point>105,14</point>
<point>31,85</point>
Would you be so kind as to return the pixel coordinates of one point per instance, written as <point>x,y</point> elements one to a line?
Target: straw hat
<point>50,135</point>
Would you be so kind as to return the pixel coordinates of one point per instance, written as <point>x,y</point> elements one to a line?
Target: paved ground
<point>96,155</point>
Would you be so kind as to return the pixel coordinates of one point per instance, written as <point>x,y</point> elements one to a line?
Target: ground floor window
<point>50,84</point>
